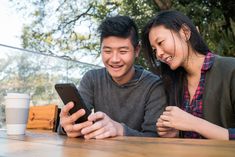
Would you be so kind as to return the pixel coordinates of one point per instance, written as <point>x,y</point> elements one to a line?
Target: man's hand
<point>67,121</point>
<point>103,127</point>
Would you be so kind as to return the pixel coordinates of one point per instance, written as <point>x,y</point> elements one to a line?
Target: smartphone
<point>68,92</point>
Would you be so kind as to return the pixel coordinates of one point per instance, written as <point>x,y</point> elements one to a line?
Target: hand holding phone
<point>68,92</point>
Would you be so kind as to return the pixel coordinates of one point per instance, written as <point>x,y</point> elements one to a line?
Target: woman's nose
<point>159,53</point>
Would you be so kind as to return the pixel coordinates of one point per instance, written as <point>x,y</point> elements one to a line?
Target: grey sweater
<point>136,104</point>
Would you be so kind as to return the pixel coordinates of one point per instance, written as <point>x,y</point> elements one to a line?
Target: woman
<point>200,85</point>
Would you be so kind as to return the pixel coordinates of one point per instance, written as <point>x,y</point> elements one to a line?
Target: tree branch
<point>76,18</point>
<point>163,4</point>
<point>61,5</point>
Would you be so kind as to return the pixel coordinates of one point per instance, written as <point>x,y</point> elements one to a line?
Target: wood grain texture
<point>45,143</point>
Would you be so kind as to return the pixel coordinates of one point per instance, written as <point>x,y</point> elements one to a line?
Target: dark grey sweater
<point>136,104</point>
<point>219,94</point>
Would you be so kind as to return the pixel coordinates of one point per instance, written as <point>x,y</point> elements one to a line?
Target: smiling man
<point>126,98</point>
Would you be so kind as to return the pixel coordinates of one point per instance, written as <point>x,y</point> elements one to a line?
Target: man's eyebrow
<point>106,47</point>
<point>124,47</point>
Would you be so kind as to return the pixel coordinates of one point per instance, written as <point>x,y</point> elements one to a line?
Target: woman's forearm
<point>209,130</point>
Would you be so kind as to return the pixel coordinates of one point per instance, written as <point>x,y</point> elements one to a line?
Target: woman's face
<point>168,46</point>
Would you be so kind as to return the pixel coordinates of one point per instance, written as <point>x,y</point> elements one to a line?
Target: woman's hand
<point>165,131</point>
<point>174,117</point>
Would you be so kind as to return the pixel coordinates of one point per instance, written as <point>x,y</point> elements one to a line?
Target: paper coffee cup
<point>17,109</point>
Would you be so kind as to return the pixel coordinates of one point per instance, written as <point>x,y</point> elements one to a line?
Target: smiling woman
<point>200,85</point>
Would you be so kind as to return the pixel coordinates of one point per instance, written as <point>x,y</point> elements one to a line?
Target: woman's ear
<point>185,32</point>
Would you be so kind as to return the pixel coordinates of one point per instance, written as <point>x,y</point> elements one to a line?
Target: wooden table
<point>45,143</point>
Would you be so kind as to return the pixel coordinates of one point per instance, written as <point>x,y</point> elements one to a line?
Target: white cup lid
<point>17,95</point>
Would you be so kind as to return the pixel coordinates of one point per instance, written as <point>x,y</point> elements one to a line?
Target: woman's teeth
<point>168,59</point>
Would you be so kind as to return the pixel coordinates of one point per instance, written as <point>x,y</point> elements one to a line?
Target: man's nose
<point>115,57</point>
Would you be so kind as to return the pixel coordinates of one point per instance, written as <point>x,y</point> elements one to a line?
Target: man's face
<point>118,55</point>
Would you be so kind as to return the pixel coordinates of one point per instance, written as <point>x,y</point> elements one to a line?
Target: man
<point>126,98</point>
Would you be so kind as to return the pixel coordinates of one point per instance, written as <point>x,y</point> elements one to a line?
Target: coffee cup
<point>17,110</point>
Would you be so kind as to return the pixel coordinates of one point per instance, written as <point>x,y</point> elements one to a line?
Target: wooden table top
<point>45,143</point>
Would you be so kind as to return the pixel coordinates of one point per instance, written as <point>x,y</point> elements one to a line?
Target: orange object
<point>42,117</point>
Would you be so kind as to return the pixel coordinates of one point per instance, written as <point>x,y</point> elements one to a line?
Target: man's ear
<point>185,32</point>
<point>137,50</point>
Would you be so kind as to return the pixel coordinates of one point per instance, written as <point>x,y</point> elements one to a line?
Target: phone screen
<point>68,92</point>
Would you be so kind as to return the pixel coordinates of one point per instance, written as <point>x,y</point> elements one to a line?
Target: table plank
<point>44,143</point>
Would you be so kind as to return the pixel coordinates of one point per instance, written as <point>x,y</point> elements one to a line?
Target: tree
<point>215,19</point>
<point>63,27</point>
<point>68,27</point>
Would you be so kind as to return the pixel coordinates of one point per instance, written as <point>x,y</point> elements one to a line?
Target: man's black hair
<point>119,26</point>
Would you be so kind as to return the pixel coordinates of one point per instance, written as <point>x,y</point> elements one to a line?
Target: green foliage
<point>68,27</point>
<point>141,11</point>
<point>211,18</point>
<point>221,41</point>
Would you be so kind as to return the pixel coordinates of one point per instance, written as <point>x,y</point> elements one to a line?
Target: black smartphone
<point>68,92</point>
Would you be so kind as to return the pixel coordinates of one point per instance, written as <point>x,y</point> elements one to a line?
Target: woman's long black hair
<point>173,79</point>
